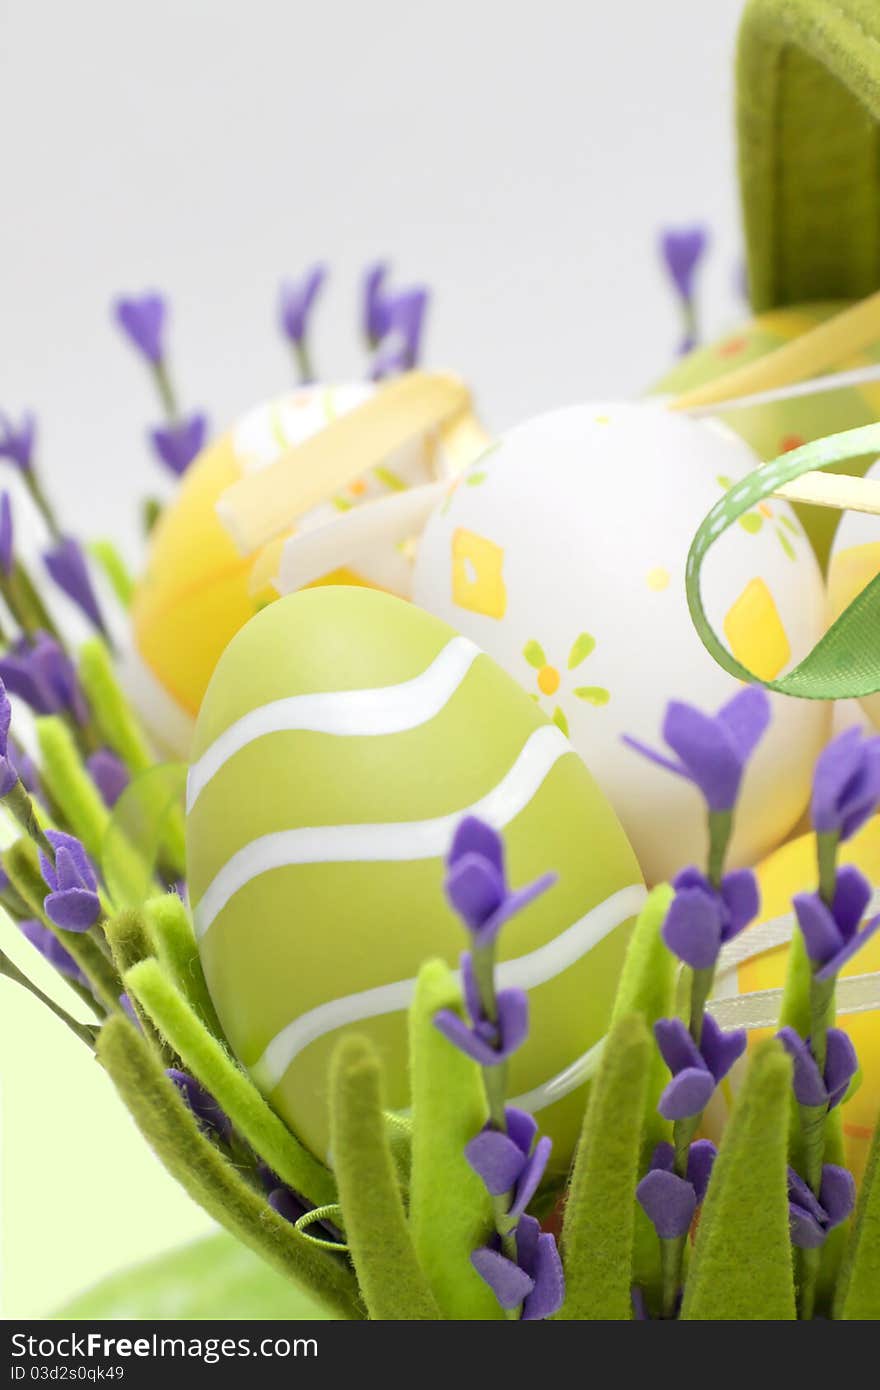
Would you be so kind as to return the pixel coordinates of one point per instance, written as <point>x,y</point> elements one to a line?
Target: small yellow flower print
<point>549,678</point>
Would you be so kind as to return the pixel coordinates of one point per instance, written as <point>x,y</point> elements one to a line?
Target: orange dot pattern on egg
<point>548,680</point>
<point>755,633</point>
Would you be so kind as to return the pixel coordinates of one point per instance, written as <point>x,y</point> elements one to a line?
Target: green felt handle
<point>808,106</point>
<point>845,663</point>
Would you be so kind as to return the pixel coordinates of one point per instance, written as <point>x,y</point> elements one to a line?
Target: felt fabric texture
<point>858,1287</point>
<point>21,864</point>
<point>171,931</point>
<point>70,786</point>
<point>450,1212</point>
<point>599,1226</point>
<point>210,1179</point>
<point>128,937</point>
<point>742,1267</point>
<point>391,1279</point>
<point>208,1060</point>
<point>647,987</point>
<point>808,105</point>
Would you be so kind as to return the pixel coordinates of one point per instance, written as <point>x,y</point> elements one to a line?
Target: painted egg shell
<point>792,869</point>
<point>343,736</point>
<point>855,561</point>
<point>777,426</point>
<point>562,553</point>
<point>195,594</point>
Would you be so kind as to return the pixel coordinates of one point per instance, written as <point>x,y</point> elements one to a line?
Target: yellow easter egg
<point>196,591</point>
<point>343,736</point>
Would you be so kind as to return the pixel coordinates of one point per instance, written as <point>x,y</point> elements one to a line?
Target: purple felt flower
<point>702,919</point>
<point>72,901</point>
<point>813,1217</point>
<point>179,443</point>
<point>7,538</point>
<point>130,1012</point>
<point>296,300</point>
<point>8,773</point>
<point>211,1119</point>
<point>40,673</point>
<point>486,1042</point>
<point>841,1065</point>
<point>712,750</point>
<point>682,249</point>
<point>142,319</point>
<point>17,441</point>
<point>846,784</point>
<point>400,346</point>
<point>67,566</point>
<point>375,303</point>
<point>506,1161</point>
<point>668,1200</point>
<point>476,884</point>
<point>50,948</point>
<point>109,774</point>
<point>535,1279</point>
<point>831,934</point>
<point>27,769</point>
<point>696,1071</point>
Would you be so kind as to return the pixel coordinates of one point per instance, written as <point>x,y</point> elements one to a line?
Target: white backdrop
<point>519,157</point>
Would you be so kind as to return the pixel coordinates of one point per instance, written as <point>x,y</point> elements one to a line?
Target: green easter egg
<point>778,426</point>
<point>342,737</point>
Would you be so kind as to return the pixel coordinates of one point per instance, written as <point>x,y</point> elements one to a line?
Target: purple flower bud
<point>67,566</point>
<point>142,319</point>
<point>72,902</point>
<point>696,1071</point>
<point>17,443</point>
<point>400,346</point>
<point>211,1119</point>
<point>109,774</point>
<point>846,784</point>
<point>682,250</point>
<point>701,919</point>
<point>506,1161</point>
<point>489,1043</point>
<point>712,750</point>
<point>668,1200</point>
<point>40,673</point>
<point>841,1065</point>
<point>813,1217</point>
<point>50,948</point>
<point>296,301</point>
<point>8,773</point>
<point>535,1279</point>
<point>178,444</point>
<point>7,539</point>
<point>831,934</point>
<point>375,304</point>
<point>476,884</point>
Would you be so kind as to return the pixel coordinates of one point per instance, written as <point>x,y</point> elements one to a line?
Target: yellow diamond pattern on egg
<point>477,579</point>
<point>755,633</point>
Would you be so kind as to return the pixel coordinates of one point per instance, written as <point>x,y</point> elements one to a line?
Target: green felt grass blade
<point>22,865</point>
<point>742,1262</point>
<point>647,987</point>
<point>599,1227</point>
<point>858,1286</point>
<point>450,1210</point>
<point>391,1279</point>
<point>136,838</point>
<point>210,1179</point>
<point>171,930</point>
<point>115,568</point>
<point>69,785</point>
<point>234,1092</point>
<point>129,941</point>
<point>216,1278</point>
<point>845,662</point>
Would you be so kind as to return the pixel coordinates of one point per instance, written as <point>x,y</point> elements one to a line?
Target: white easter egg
<point>562,553</point>
<point>854,562</point>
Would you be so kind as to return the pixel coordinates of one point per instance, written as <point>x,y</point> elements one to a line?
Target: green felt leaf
<point>599,1227</point>
<point>115,568</point>
<point>138,832</point>
<point>391,1279</point>
<point>216,1278</point>
<point>22,866</point>
<point>235,1093</point>
<point>560,720</point>
<point>69,785</point>
<point>172,931</point>
<point>210,1179</point>
<point>580,650</point>
<point>129,941</point>
<point>741,1268</point>
<point>647,987</point>
<point>592,694</point>
<point>858,1285</point>
<point>450,1210</point>
<point>534,654</point>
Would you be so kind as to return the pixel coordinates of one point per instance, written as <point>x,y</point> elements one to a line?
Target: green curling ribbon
<point>845,663</point>
<point>333,1213</point>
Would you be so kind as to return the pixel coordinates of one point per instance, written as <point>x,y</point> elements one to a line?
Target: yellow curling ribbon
<point>264,505</point>
<point>845,663</point>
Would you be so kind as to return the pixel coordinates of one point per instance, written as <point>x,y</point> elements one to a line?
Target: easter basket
<point>442,987</point>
